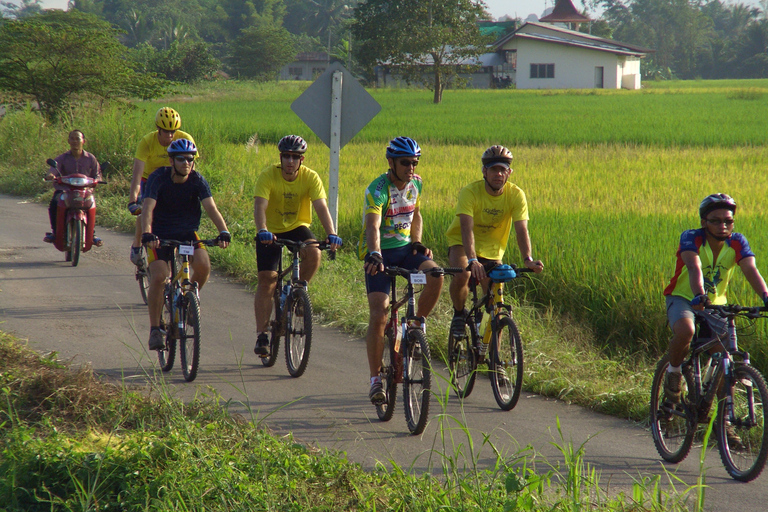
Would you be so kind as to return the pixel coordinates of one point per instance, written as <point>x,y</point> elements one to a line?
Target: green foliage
<point>261,50</point>
<point>57,56</point>
<point>189,61</point>
<point>426,42</point>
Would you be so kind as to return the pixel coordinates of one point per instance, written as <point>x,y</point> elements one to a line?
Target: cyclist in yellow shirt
<point>151,154</point>
<point>285,194</point>
<point>478,235</point>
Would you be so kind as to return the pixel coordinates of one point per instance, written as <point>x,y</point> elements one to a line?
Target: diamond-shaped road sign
<point>357,106</point>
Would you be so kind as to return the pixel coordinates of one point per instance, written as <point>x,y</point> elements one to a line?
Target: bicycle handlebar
<point>294,246</point>
<point>734,310</point>
<point>165,242</point>
<point>435,271</point>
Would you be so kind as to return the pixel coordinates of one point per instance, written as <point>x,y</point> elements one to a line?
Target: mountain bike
<point>291,316</point>
<point>181,311</point>
<point>715,370</point>
<point>491,337</point>
<point>406,358</point>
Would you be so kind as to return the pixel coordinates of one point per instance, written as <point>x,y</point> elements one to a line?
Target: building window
<point>296,72</point>
<point>317,71</point>
<point>542,71</point>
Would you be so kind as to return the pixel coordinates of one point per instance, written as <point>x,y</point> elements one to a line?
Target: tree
<point>24,10</point>
<point>187,61</point>
<point>261,50</point>
<point>428,42</point>
<point>56,56</point>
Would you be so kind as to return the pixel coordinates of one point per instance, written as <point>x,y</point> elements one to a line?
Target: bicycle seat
<point>502,273</point>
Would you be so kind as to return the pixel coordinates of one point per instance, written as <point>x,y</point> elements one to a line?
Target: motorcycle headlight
<point>77,182</point>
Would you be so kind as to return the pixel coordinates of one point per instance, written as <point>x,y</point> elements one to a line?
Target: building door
<point>598,77</point>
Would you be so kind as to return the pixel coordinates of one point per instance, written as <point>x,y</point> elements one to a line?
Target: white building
<point>546,56</point>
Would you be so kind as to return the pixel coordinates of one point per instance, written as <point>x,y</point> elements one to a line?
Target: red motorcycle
<point>75,214</point>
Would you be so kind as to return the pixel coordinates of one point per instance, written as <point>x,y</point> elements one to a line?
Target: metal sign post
<point>335,107</point>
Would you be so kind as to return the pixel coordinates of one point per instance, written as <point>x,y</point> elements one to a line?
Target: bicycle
<point>500,335</point>
<point>407,358</point>
<point>291,316</point>
<point>740,390</point>
<point>181,311</point>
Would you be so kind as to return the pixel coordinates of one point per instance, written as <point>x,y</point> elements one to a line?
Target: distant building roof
<point>564,12</point>
<point>573,38</point>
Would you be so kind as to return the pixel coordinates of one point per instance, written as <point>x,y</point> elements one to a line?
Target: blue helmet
<point>403,146</point>
<point>180,146</point>
<point>716,202</point>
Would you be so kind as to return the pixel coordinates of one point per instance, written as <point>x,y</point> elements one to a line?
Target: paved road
<point>93,314</point>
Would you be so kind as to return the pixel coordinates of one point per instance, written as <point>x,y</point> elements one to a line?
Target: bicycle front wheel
<point>142,276</point>
<point>741,436</point>
<point>166,356</point>
<point>462,361</point>
<point>190,336</point>
<point>417,380</point>
<point>671,424</point>
<point>506,364</point>
<point>387,373</point>
<point>298,332</point>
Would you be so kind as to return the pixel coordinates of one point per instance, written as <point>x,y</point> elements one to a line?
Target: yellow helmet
<point>167,119</point>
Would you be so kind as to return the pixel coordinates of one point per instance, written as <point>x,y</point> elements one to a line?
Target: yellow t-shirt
<point>290,202</point>
<point>153,154</point>
<point>492,216</point>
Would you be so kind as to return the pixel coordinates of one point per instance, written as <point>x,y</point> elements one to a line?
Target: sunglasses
<point>289,156</point>
<point>717,222</point>
<point>181,159</point>
<point>409,163</point>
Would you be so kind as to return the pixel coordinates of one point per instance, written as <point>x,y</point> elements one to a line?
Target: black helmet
<point>716,202</point>
<point>292,144</point>
<point>497,155</point>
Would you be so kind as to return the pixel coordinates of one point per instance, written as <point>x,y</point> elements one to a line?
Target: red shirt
<point>68,164</point>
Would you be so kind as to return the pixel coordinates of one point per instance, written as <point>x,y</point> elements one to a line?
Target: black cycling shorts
<point>268,255</point>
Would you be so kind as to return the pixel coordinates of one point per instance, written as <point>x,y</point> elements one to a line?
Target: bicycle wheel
<point>742,437</point>
<point>189,341</point>
<point>298,332</point>
<point>462,361</point>
<point>388,370</point>
<point>76,230</point>
<point>166,356</point>
<point>417,381</point>
<point>274,331</point>
<point>142,275</point>
<point>506,364</point>
<point>672,425</point>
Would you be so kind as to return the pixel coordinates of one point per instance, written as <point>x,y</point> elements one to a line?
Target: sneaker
<point>262,345</point>
<point>672,387</point>
<point>734,441</point>
<point>376,394</point>
<point>49,238</point>
<point>136,256</point>
<point>157,339</point>
<point>457,325</point>
<point>98,242</point>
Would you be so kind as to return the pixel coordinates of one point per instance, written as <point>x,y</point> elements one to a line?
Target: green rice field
<point>612,178</point>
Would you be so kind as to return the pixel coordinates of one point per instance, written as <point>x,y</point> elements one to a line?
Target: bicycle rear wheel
<point>298,332</point>
<point>742,437</point>
<point>166,356</point>
<point>189,342</point>
<point>275,322</point>
<point>417,380</point>
<point>672,425</point>
<point>462,361</point>
<point>388,370</point>
<point>506,364</point>
<point>142,275</point>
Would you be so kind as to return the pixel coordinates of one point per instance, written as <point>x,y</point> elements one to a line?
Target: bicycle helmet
<point>502,273</point>
<point>292,144</point>
<point>182,147</point>
<point>497,155</point>
<point>403,146</point>
<point>716,202</point>
<point>168,119</point>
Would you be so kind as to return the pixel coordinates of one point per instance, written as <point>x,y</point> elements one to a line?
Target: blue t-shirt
<point>177,212</point>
